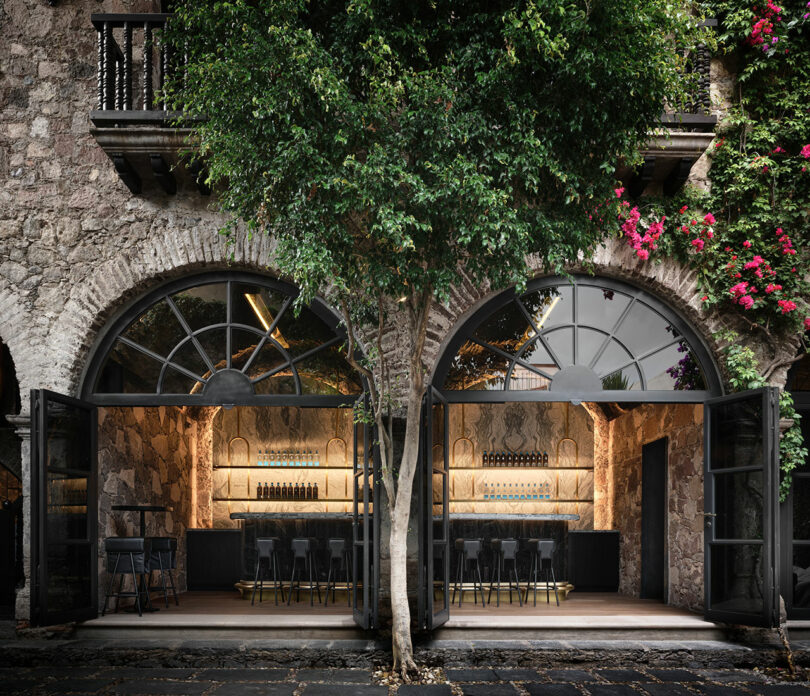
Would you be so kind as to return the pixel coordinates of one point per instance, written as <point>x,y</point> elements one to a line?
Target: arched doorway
<point>11,567</point>
<point>220,402</point>
<point>576,411</point>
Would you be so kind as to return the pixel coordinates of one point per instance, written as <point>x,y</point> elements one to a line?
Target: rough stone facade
<point>682,425</point>
<point>76,247</point>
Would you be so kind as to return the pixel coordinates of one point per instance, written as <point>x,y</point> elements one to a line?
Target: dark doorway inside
<point>10,487</point>
<point>653,519</point>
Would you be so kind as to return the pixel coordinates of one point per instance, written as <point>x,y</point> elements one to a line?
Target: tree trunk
<point>398,540</point>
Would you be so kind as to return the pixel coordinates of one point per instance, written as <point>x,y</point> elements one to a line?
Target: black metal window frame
<point>118,325</point>
<point>714,384</point>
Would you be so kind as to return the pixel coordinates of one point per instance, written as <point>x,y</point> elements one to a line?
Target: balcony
<point>142,138</point>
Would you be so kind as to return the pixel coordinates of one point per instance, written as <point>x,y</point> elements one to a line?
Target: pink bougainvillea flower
<point>684,209</point>
<point>739,289</point>
<point>746,301</point>
<point>698,244</point>
<point>807,323</point>
<point>786,305</point>
<point>772,287</point>
<point>619,191</point>
<point>747,244</point>
<point>709,219</point>
<point>805,151</point>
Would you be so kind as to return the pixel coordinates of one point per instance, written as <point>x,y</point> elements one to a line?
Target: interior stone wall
<point>682,424</point>
<point>527,426</point>
<point>327,430</point>
<point>144,459</point>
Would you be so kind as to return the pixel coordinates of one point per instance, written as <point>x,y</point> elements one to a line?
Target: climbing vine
<point>747,239</point>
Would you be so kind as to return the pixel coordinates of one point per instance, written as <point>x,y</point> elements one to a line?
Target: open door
<point>365,527</point>
<point>64,564</point>
<point>741,493</point>
<point>434,518</point>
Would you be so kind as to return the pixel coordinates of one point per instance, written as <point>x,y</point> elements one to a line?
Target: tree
<point>397,149</point>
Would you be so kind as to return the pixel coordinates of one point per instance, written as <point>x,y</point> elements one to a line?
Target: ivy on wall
<point>750,250</point>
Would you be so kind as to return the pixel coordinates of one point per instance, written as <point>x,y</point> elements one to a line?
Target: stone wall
<point>683,426</point>
<point>144,458</point>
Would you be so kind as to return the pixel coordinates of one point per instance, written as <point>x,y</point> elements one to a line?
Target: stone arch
<point>669,281</point>
<point>120,281</point>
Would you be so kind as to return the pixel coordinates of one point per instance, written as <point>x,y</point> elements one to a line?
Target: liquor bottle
<point>522,459</point>
<point>297,492</point>
<point>315,491</point>
<point>259,491</point>
<point>484,459</point>
<point>317,459</point>
<point>309,491</point>
<point>545,458</point>
<point>272,495</point>
<point>283,494</point>
<point>266,491</point>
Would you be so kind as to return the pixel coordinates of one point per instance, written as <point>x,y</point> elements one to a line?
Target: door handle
<point>710,514</point>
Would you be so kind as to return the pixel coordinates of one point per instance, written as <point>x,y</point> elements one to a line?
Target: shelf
<point>550,501</point>
<point>283,500</point>
<point>282,468</point>
<point>520,468</point>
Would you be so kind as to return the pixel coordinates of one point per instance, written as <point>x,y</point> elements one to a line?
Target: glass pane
<point>673,368</point>
<point>268,359</point>
<point>643,329</point>
<point>476,368</point>
<point>189,357</point>
<point>611,359</point>
<point>800,377</point>
<point>588,342</point>
<point>69,583</point>
<point>524,380</point>
<point>600,308</point>
<point>243,344</point>
<point>157,329</point>
<point>204,305</point>
<point>297,335</point>
<point>327,372</point>
<point>738,504</point>
<point>561,341</point>
<point>214,343</point>
<point>255,306</point>
<point>507,329</point>
<point>737,578</point>
<point>550,307</point>
<point>801,507</point>
<point>628,378</point>
<point>69,439</point>
<point>175,382</point>
<point>67,507</point>
<point>801,576</point>
<point>280,383</point>
<point>537,356</point>
<point>736,435</point>
<point>128,371</point>
<point>438,436</point>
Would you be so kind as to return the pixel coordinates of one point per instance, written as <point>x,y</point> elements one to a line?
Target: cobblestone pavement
<point>197,681</point>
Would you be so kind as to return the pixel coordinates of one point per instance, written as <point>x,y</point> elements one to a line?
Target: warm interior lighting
<point>260,309</point>
<point>548,311</point>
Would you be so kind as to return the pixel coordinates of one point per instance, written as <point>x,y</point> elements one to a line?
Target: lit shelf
<point>520,500</point>
<point>282,500</point>
<point>290,468</point>
<point>520,468</point>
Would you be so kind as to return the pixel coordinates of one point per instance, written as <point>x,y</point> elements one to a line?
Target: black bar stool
<point>542,551</point>
<point>467,553</point>
<point>163,559</point>
<point>338,551</point>
<point>267,550</point>
<point>504,550</point>
<point>304,550</point>
<point>127,556</point>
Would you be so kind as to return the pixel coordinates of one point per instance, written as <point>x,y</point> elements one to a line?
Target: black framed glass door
<point>434,517</point>
<point>64,509</point>
<point>740,501</point>
<point>365,525</point>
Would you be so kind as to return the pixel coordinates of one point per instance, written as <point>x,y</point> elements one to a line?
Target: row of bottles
<point>282,491</point>
<point>289,458</point>
<point>62,495</point>
<point>517,491</point>
<point>514,459</point>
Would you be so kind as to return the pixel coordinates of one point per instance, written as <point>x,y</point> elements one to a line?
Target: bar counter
<point>291,515</point>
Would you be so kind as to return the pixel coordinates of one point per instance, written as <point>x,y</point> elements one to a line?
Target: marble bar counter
<point>286,526</point>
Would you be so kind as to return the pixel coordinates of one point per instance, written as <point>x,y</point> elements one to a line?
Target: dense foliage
<point>751,250</point>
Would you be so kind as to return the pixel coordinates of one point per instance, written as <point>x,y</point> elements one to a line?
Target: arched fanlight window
<point>219,339</point>
<point>581,337</point>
